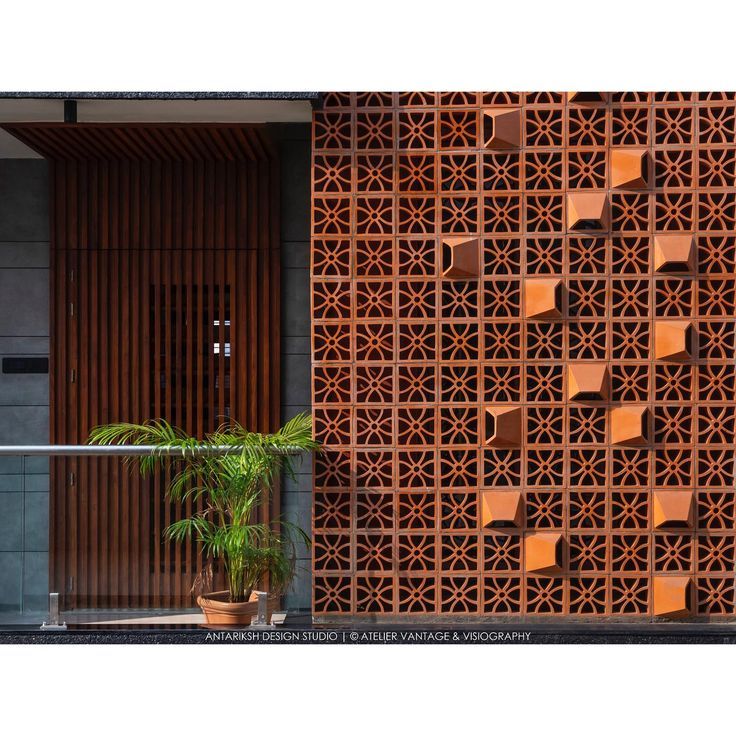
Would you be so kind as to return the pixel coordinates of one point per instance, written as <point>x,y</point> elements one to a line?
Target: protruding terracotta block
<point>629,425</point>
<point>543,552</point>
<point>673,339</point>
<point>673,509</point>
<point>503,426</point>
<point>674,253</point>
<point>629,168</point>
<point>579,97</point>
<point>587,211</point>
<point>501,508</point>
<point>501,127</point>
<point>543,298</point>
<point>671,596</point>
<point>587,381</point>
<point>460,258</point>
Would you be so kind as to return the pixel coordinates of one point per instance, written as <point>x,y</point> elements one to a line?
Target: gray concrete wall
<point>24,398</point>
<point>295,334</point>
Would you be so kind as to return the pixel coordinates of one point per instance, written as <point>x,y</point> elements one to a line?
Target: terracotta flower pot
<point>218,609</point>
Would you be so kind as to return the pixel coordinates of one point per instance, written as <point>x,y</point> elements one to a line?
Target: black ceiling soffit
<point>293,96</point>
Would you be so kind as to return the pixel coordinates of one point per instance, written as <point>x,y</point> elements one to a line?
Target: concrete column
<point>24,397</point>
<point>295,331</point>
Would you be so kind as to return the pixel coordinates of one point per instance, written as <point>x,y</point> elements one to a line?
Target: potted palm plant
<point>227,475</point>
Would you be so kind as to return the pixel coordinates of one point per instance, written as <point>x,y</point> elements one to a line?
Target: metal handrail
<point>132,450</point>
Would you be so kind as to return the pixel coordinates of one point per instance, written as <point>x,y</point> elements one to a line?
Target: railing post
<point>54,624</point>
<point>260,620</point>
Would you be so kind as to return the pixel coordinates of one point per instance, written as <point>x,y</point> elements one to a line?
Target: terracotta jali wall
<point>523,346</point>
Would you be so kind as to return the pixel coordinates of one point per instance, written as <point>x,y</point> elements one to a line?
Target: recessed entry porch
<point>147,243</point>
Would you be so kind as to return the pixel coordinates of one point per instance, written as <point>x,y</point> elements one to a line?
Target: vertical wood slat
<point>141,540</point>
<point>274,323</point>
<point>75,566</point>
<point>136,231</point>
<point>166,405</point>
<point>157,295</point>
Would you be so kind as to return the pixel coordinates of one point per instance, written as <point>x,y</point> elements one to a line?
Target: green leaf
<point>226,492</point>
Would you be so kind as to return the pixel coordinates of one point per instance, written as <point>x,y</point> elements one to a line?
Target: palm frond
<point>228,491</point>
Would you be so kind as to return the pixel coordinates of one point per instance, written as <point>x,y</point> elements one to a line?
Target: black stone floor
<point>299,629</point>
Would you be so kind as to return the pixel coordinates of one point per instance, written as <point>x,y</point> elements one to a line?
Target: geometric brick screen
<point>523,355</point>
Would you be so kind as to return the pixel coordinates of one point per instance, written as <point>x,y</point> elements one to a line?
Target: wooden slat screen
<point>165,303</point>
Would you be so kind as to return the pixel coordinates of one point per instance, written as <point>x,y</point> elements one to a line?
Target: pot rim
<point>218,600</point>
